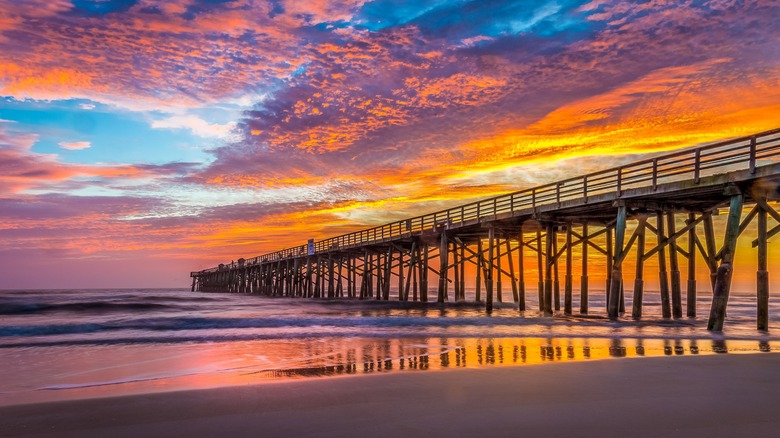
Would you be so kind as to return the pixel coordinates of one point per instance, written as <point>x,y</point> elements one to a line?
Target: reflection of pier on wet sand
<point>394,356</point>
<point>668,201</point>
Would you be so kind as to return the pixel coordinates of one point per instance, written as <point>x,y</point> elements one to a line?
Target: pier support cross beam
<point>726,269</point>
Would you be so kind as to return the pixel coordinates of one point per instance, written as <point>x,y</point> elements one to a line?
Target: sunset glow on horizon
<point>141,140</point>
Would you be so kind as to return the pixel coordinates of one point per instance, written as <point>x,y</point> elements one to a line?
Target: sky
<point>142,140</point>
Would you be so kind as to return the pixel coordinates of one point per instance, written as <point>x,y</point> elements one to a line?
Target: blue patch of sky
<point>116,136</point>
<point>462,19</point>
<point>101,7</point>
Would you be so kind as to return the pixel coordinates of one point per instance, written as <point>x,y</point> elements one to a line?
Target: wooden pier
<point>607,214</point>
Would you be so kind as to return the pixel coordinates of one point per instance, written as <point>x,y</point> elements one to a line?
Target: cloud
<point>75,145</point>
<point>196,125</point>
<point>87,106</point>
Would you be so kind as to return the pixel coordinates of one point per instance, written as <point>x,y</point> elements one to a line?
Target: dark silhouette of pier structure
<point>605,214</point>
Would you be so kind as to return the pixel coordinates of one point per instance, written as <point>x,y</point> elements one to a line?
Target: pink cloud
<point>75,145</point>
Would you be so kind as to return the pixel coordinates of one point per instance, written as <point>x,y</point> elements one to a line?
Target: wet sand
<point>722,395</point>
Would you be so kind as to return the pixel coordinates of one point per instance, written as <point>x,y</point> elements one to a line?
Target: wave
<point>88,306</point>
<point>486,334</point>
<point>318,323</point>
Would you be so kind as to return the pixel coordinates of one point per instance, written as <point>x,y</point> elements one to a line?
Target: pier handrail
<point>692,163</point>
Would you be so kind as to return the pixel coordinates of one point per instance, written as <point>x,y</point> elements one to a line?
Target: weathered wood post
<point>690,301</point>
<point>617,271</point>
<point>340,275</point>
<point>511,263</point>
<point>636,311</point>
<point>540,268</point>
<point>610,259</point>
<point>424,276</point>
<point>556,281</point>
<point>499,284</point>
<point>401,282</point>
<point>584,274</point>
<point>462,272</point>
<point>549,267</point>
<point>331,277</point>
<point>480,262</point>
<point>456,270</point>
<point>521,271</point>
<point>674,267</point>
<point>444,259</point>
<point>762,275</point>
<point>663,279</point>
<point>568,281</point>
<point>709,240</point>
<point>411,274</point>
<point>489,270</point>
<point>725,270</point>
<point>387,272</point>
<point>376,268</point>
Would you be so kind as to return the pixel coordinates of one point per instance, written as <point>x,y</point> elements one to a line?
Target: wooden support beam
<point>674,267</point>
<point>769,235</point>
<point>521,272</point>
<point>424,275</point>
<point>772,212</point>
<point>567,289</point>
<point>462,273</point>
<point>456,269</point>
<point>556,281</point>
<point>489,271</point>
<point>762,275</point>
<point>540,268</point>
<point>309,275</point>
<point>609,260</point>
<point>511,264</point>
<point>401,282</point>
<point>636,311</point>
<point>613,304</point>
<point>725,270</point>
<point>387,273</point>
<point>690,301</point>
<point>416,274</point>
<point>331,278</point>
<point>412,263</point>
<point>584,273</point>
<point>443,261</point>
<point>548,273</point>
<point>499,282</point>
<point>673,236</point>
<point>478,286</point>
<point>340,273</point>
<point>709,240</point>
<point>587,239</point>
<point>663,277</point>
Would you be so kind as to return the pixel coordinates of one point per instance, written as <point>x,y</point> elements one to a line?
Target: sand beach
<point>714,395</point>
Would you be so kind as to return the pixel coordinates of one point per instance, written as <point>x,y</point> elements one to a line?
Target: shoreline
<point>715,394</point>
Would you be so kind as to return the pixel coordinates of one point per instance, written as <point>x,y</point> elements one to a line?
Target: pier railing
<point>742,153</point>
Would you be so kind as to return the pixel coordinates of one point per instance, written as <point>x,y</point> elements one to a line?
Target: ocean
<point>69,344</point>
